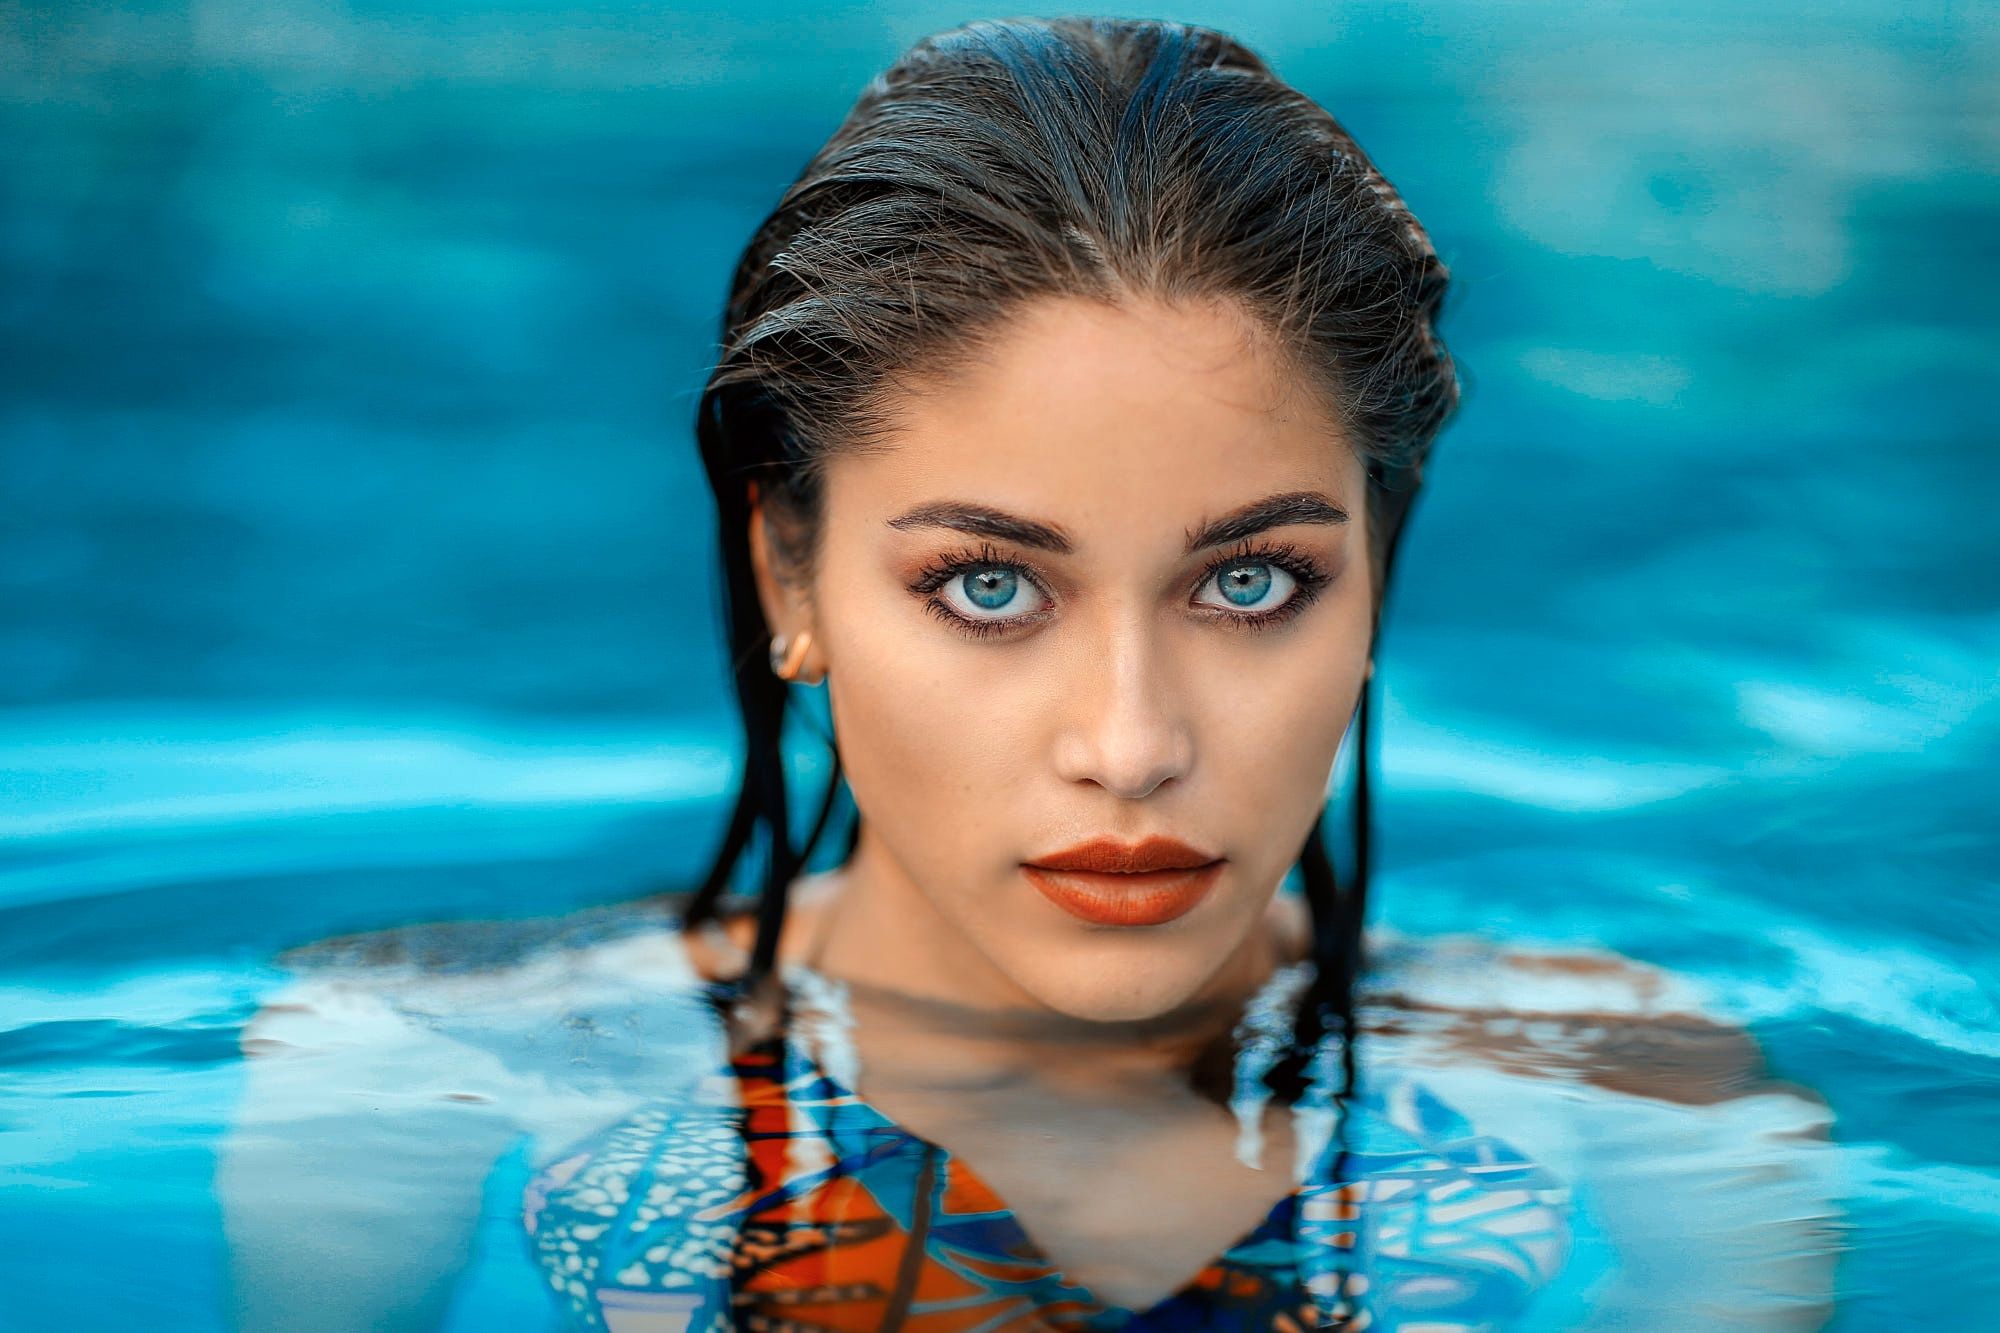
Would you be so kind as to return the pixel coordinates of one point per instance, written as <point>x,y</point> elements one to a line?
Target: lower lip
<point>1104,899</point>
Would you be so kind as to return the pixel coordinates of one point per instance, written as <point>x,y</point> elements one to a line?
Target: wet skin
<point>1036,631</point>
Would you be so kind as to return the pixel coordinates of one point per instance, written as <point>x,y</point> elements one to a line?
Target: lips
<point>1110,883</point>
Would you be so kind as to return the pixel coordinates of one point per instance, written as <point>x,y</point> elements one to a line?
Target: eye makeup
<point>1308,574</point>
<point>1309,578</point>
<point>942,569</point>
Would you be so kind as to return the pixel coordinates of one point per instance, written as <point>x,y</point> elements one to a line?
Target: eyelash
<point>1307,573</point>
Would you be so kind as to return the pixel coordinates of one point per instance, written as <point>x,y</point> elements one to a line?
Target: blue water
<point>356,564</point>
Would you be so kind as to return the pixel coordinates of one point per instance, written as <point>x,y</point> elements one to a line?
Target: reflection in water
<point>1539,1140</point>
<point>778,1194</point>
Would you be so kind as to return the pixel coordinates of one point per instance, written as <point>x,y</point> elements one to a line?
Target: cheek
<point>932,730</point>
<point>1273,724</point>
<point>946,742</point>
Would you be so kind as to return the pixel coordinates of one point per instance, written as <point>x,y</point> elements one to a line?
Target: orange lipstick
<point>1110,883</point>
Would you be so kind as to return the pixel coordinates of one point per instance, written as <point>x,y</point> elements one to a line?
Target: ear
<point>770,592</point>
<point>780,592</point>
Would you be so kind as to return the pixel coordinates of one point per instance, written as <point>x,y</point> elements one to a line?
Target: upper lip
<point>1110,856</point>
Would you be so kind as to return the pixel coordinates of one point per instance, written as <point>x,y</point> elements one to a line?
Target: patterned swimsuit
<point>772,1198</point>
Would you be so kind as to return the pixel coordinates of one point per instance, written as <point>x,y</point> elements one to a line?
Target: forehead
<point>1077,408</point>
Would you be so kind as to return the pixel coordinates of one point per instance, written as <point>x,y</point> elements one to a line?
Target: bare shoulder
<point>1616,1076</point>
<point>392,1071</point>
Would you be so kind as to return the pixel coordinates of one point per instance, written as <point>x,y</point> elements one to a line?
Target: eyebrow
<point>986,521</point>
<point>1273,511</point>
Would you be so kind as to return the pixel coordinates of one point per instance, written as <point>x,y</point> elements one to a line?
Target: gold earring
<point>788,655</point>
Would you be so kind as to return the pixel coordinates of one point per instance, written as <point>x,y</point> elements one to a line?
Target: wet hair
<point>1002,162</point>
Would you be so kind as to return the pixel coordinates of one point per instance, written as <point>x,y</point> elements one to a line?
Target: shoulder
<point>1630,1084</point>
<point>391,1075</point>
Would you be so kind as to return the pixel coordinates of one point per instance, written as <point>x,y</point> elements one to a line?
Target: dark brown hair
<point>1004,161</point>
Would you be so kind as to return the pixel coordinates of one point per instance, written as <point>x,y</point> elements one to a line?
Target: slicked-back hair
<point>1006,161</point>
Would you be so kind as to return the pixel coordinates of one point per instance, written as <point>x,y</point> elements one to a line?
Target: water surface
<point>356,570</point>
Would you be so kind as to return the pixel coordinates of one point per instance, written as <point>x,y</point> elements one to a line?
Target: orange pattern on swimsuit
<point>776,1200</point>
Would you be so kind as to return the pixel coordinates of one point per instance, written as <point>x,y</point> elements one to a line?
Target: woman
<point>1068,411</point>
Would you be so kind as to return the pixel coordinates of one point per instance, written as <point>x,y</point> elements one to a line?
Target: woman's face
<point>1111,583</point>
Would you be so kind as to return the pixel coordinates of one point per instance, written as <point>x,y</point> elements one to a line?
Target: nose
<point>1125,727</point>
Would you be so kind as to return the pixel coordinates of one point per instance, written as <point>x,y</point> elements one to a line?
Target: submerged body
<point>775,1196</point>
<point>677,1184</point>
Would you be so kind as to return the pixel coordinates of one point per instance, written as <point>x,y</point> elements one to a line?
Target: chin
<point>1127,985</point>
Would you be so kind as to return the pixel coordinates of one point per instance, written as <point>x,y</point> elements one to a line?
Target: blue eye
<point>979,592</point>
<point>1245,585</point>
<point>1250,584</point>
<point>991,588</point>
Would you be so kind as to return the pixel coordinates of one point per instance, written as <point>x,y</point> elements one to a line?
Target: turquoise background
<point>354,556</point>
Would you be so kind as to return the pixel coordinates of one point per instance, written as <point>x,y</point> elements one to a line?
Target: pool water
<point>356,573</point>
